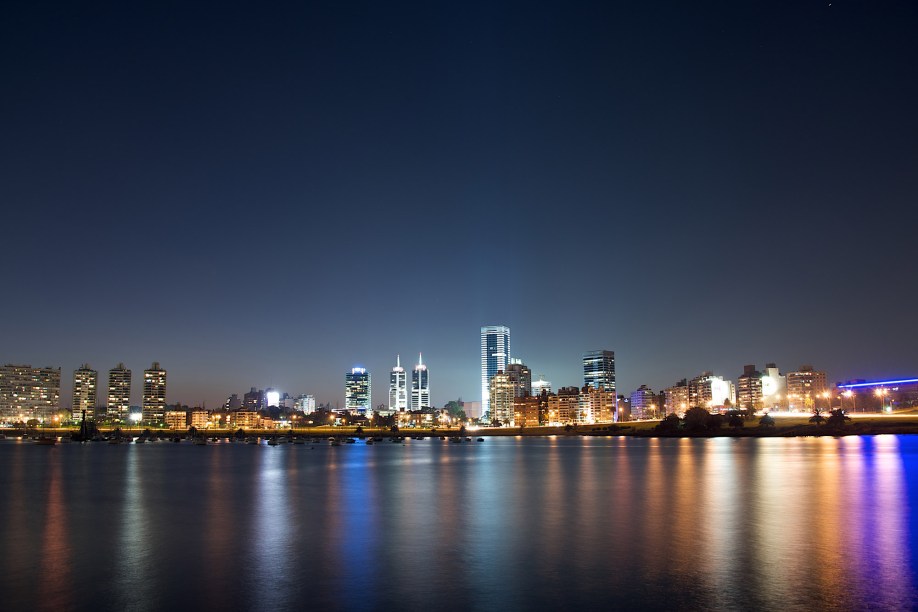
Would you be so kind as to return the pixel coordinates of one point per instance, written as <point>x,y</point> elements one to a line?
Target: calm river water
<point>509,523</point>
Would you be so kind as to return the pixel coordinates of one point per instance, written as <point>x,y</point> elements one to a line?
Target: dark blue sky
<point>261,194</point>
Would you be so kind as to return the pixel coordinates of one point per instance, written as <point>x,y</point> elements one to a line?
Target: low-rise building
<point>597,405</point>
<point>643,403</point>
<point>246,419</point>
<point>176,419</point>
<point>564,407</point>
<point>676,398</point>
<point>526,411</point>
<point>200,419</point>
<point>807,388</point>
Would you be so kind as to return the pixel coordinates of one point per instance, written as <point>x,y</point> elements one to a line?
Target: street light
<point>882,393</point>
<point>828,397</point>
<point>850,394</point>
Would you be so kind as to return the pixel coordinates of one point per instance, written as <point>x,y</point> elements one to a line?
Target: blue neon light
<point>901,381</point>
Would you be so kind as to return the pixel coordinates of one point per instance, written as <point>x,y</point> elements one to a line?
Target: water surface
<point>510,523</point>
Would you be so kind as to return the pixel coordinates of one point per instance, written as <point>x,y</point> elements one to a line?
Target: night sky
<point>261,194</point>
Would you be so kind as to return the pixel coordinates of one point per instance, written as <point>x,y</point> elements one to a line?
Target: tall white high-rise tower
<point>495,355</point>
<point>420,386</point>
<point>398,387</point>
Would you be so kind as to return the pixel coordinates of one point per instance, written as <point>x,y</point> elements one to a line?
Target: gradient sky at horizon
<point>268,194</point>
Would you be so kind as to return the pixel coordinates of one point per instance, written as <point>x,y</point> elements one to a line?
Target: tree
<point>696,418</point>
<point>670,423</point>
<point>462,431</point>
<point>767,420</point>
<point>735,420</point>
<point>817,419</point>
<point>837,418</point>
<point>454,407</point>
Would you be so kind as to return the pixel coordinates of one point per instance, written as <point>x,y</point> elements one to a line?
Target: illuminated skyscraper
<point>357,391</point>
<point>495,355</point>
<point>398,387</point>
<point>420,386</point>
<point>119,393</point>
<point>154,394</point>
<point>599,370</point>
<point>85,381</point>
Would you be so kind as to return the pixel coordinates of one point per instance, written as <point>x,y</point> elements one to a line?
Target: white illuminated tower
<point>398,387</point>
<point>495,355</point>
<point>420,386</point>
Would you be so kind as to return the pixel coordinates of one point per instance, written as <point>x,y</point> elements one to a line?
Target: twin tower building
<point>399,400</point>
<point>358,389</point>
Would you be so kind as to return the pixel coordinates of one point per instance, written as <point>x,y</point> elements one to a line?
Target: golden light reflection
<point>218,526</point>
<point>57,557</point>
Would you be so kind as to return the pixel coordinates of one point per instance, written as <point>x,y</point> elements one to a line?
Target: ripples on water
<point>511,523</point>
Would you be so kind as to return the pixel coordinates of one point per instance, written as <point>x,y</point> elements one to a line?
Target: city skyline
<point>243,196</point>
<point>121,393</point>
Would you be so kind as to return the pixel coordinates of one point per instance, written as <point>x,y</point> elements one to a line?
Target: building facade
<point>676,398</point>
<point>254,400</point>
<point>599,370</point>
<point>358,392</point>
<point>154,394</point>
<point>420,386</point>
<point>541,385</point>
<point>749,389</point>
<point>774,388</point>
<point>85,383</point>
<point>521,376</point>
<point>807,388</point>
<point>119,393</point>
<point>305,404</point>
<point>495,356</point>
<point>500,389</point>
<point>711,392</point>
<point>398,387</point>
<point>29,393</point>
<point>564,407</point>
<point>526,411</point>
<point>597,405</point>
<point>643,403</point>
<point>176,419</point>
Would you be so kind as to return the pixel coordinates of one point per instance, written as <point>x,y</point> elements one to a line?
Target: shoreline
<point>793,427</point>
